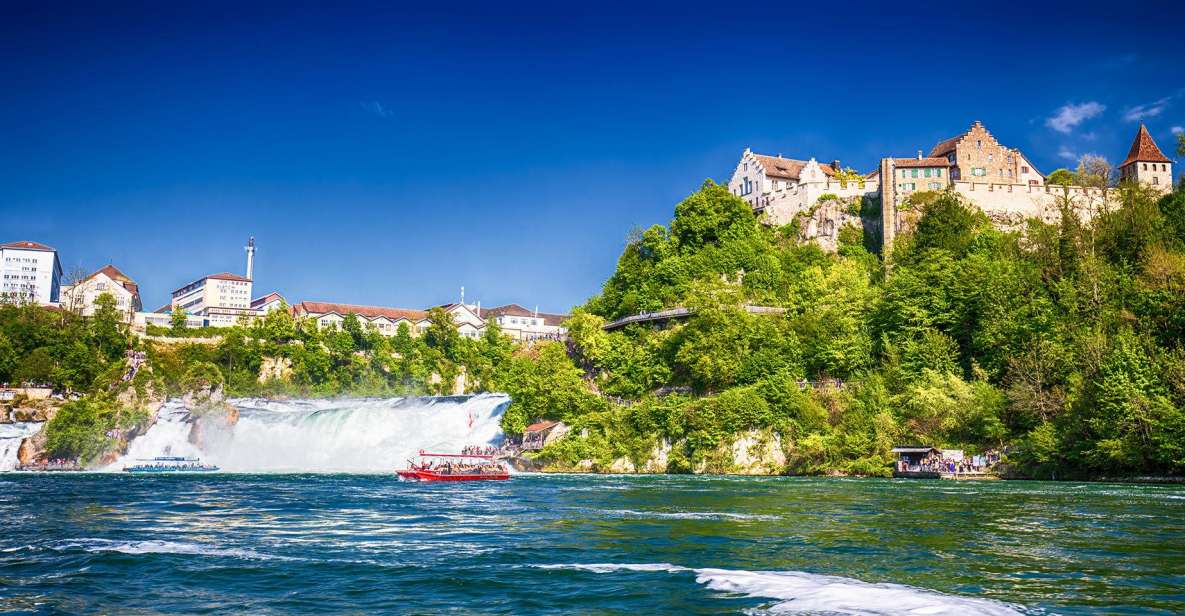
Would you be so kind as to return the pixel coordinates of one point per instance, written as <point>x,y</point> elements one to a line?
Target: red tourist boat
<point>454,467</point>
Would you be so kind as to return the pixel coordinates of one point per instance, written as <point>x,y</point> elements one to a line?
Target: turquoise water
<point>585,544</point>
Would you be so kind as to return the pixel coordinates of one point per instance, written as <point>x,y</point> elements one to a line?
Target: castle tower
<point>1146,164</point>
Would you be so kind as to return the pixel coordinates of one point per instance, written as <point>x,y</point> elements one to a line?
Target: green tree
<point>1061,177</point>
<point>107,328</point>
<point>177,320</point>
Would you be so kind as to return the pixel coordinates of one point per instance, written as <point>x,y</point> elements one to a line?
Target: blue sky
<point>387,154</point>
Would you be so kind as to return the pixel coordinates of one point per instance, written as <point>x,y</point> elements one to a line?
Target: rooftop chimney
<point>919,155</point>
<point>835,165</point>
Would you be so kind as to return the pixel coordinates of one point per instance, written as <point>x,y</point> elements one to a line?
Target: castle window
<point>938,172</point>
<point>1145,166</point>
<point>1024,169</point>
<point>903,173</point>
<point>1155,180</point>
<point>928,172</point>
<point>990,158</point>
<point>914,173</point>
<point>979,144</point>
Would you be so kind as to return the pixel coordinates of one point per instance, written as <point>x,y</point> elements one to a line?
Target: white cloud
<point>1178,130</point>
<point>1071,115</point>
<point>376,108</point>
<point>1067,153</point>
<point>1147,110</point>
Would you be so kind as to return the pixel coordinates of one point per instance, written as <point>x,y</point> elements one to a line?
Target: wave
<point>797,592</point>
<point>152,546</point>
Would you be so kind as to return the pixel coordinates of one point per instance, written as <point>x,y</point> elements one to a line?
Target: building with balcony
<point>523,324</point>
<point>32,273</point>
<point>220,299</point>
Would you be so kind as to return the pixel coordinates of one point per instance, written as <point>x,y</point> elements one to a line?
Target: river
<point>368,543</point>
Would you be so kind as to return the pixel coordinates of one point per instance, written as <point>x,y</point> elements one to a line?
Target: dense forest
<point>1062,343</point>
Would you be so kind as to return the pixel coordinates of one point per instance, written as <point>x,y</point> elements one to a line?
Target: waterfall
<point>338,435</point>
<point>11,436</point>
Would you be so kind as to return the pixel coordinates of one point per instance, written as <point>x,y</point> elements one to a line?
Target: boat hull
<point>422,475</point>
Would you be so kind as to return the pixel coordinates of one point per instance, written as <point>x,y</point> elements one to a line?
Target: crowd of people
<point>479,450</point>
<point>135,360</point>
<point>449,467</point>
<point>938,463</point>
<point>53,464</point>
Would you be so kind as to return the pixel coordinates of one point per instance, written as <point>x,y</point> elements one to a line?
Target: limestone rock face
<point>622,465</point>
<point>823,224</point>
<point>758,453</point>
<point>26,413</point>
<point>32,449</point>
<point>213,417</point>
<point>658,458</point>
<point>275,369</point>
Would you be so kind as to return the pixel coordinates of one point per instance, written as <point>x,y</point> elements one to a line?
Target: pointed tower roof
<point>1144,149</point>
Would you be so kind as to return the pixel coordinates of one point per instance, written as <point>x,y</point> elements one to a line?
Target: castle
<point>999,180</point>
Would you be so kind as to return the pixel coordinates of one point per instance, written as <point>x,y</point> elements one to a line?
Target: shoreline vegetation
<point>1059,344</point>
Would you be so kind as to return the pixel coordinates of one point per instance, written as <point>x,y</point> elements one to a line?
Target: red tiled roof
<point>787,168</point>
<point>229,276</point>
<point>119,277</point>
<point>220,276</point>
<point>515,310</point>
<point>509,310</point>
<point>27,245</point>
<point>259,301</point>
<point>932,161</point>
<point>1144,149</point>
<point>540,426</point>
<point>369,312</point>
<point>946,147</point>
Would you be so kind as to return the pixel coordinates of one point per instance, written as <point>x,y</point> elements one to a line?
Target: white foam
<point>612,567</point>
<point>11,436</point>
<point>798,592</point>
<point>160,547</point>
<point>343,435</point>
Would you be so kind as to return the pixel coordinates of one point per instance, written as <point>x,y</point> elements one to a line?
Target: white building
<point>468,323</point>
<point>267,303</point>
<point>31,273</point>
<point>514,320</point>
<point>81,296</point>
<point>779,188</point>
<point>220,299</point>
<point>385,320</point>
<point>522,324</point>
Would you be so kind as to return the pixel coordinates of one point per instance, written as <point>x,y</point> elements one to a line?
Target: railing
<point>679,313</point>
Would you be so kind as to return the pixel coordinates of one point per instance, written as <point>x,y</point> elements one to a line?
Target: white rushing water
<point>11,436</point>
<point>341,435</point>
<point>798,592</point>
